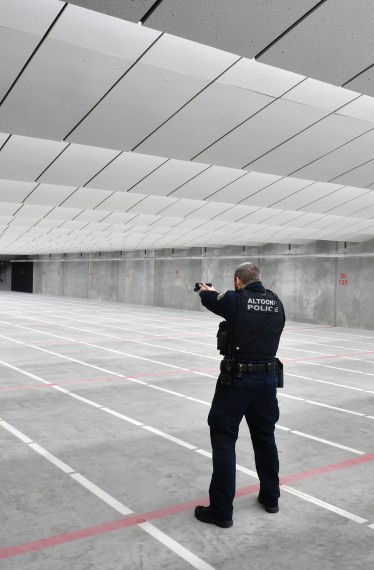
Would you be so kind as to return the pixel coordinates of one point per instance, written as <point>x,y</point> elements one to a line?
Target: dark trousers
<point>255,397</point>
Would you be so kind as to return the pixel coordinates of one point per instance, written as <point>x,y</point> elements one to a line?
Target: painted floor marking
<point>179,350</point>
<point>325,382</point>
<point>175,547</point>
<point>177,509</point>
<point>167,348</point>
<point>324,505</point>
<point>135,422</point>
<point>105,497</point>
<point>302,434</point>
<point>172,366</point>
<point>118,338</point>
<point>182,552</point>
<point>129,378</point>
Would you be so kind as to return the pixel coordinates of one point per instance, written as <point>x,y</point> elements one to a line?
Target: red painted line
<point>327,469</point>
<point>105,379</point>
<point>327,356</point>
<point>133,520</point>
<point>309,328</point>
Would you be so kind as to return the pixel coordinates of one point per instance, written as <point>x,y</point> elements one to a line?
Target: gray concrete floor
<point>105,446</point>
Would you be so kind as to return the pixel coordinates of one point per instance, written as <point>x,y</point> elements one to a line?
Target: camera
<point>197,286</point>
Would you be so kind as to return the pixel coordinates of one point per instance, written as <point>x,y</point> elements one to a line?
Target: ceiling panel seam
<point>28,195</point>
<point>354,168</point>
<point>190,179</point>
<point>149,173</point>
<point>102,201</point>
<point>303,131</point>
<point>150,11</point>
<point>184,183</point>
<point>187,103</point>
<point>136,204</point>
<point>112,87</point>
<point>248,119</point>
<point>68,197</point>
<point>33,53</point>
<point>306,15</point>
<point>289,195</point>
<point>358,74</point>
<point>54,160</point>
<point>4,143</point>
<point>331,151</point>
<point>103,168</point>
<point>223,187</point>
<point>347,202</point>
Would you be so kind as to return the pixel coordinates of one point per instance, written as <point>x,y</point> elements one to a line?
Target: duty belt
<point>248,367</point>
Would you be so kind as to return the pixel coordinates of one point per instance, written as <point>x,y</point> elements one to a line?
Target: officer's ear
<point>238,283</point>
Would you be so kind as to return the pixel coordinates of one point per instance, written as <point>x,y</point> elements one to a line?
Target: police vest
<point>258,326</point>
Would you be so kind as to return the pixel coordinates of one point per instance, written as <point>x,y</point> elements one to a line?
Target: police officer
<point>246,386</point>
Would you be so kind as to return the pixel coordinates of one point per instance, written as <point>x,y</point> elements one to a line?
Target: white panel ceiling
<point>122,201</point>
<point>30,211</point>
<point>342,196</point>
<point>311,144</point>
<point>59,86</point>
<point>275,124</point>
<point>132,11</point>
<point>15,191</point>
<point>181,208</point>
<point>188,57</point>
<point>315,47</point>
<point>104,34</point>
<point>208,117</point>
<point>254,76</point>
<point>77,165</point>
<point>319,94</point>
<point>243,187</point>
<point>168,177</point>
<point>92,216</point>
<point>305,196</point>
<point>136,106</point>
<point>201,21</point>
<point>356,204</point>
<point>208,182</point>
<point>362,108</point>
<point>276,192</point>
<point>24,158</point>
<point>126,171</point>
<point>361,176</point>
<point>152,205</point>
<point>337,162</point>
<point>86,198</point>
<point>225,150</point>
<point>364,82</point>
<point>49,194</point>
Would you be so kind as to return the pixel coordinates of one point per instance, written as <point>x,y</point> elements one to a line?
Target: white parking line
<point>149,528</point>
<point>54,386</point>
<point>324,505</point>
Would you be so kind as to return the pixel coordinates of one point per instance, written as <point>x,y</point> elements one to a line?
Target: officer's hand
<point>205,287</point>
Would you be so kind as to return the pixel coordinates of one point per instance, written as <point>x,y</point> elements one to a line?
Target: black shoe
<point>267,508</point>
<point>204,514</point>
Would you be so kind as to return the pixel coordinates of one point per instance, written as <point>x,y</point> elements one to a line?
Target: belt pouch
<point>227,372</point>
<point>279,368</point>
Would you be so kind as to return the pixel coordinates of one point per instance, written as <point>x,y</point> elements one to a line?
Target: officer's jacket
<point>247,311</point>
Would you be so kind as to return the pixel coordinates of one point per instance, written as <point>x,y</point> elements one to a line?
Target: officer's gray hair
<point>247,273</point>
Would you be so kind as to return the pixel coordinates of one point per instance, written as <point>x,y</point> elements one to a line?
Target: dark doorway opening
<point>22,276</point>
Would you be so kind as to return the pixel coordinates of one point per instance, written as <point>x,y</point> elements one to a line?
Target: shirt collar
<point>255,286</point>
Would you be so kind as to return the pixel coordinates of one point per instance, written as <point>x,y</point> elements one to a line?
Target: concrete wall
<point>5,276</point>
<point>324,282</point>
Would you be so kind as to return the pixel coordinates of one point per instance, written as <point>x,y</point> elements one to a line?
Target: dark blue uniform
<point>252,395</point>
